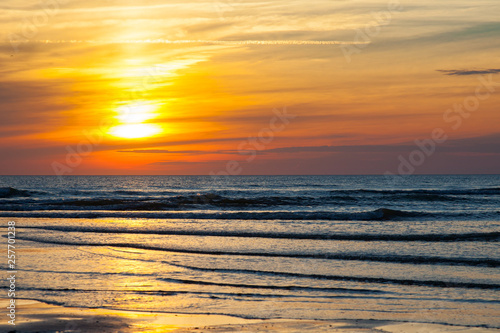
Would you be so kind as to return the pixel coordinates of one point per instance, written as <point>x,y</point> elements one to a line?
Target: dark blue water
<point>314,247</point>
<point>256,198</point>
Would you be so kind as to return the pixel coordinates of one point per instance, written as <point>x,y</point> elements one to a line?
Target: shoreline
<point>36,316</point>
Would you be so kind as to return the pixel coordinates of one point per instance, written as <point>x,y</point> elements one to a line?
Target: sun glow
<point>135,131</point>
<point>131,118</point>
<point>136,113</point>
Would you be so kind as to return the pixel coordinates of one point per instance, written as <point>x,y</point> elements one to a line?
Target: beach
<point>298,254</point>
<point>250,166</point>
<point>44,318</point>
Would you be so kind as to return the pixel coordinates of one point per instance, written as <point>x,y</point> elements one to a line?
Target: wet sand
<point>34,316</point>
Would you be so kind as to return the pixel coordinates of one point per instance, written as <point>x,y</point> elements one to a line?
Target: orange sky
<point>186,87</point>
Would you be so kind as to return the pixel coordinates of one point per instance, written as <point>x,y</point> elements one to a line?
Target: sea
<point>420,248</point>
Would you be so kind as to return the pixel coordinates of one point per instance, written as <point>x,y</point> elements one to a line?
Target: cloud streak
<point>483,144</point>
<point>465,72</point>
<point>203,41</point>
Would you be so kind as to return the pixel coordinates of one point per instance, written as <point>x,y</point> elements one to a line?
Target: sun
<point>131,121</point>
<point>135,131</point>
<point>136,112</point>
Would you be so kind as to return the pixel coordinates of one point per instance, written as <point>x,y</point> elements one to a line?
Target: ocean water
<point>422,248</point>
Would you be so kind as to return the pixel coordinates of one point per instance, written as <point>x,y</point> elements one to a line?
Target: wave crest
<point>10,192</point>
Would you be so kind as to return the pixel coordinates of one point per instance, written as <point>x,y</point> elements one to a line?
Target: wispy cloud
<point>464,72</point>
<point>482,144</point>
<point>188,152</point>
<point>204,41</point>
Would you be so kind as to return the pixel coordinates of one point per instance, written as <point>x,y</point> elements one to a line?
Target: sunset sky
<point>185,87</point>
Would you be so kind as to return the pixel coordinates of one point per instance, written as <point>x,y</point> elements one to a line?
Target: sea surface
<point>419,248</point>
